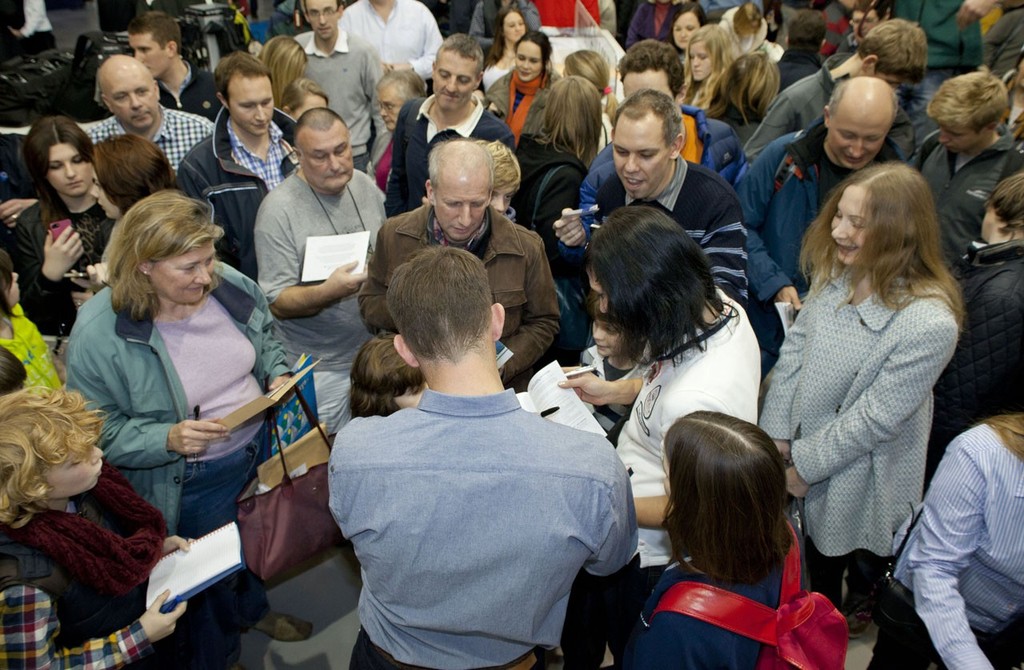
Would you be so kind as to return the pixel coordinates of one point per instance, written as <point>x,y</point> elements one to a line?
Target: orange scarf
<point>517,118</point>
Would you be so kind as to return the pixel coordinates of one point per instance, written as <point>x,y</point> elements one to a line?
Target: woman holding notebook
<point>77,544</point>
<point>177,342</point>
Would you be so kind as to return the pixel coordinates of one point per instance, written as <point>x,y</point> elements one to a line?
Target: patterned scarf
<point>96,556</point>
<point>476,243</point>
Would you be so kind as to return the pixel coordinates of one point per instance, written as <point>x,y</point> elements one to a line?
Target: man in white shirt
<point>404,32</point>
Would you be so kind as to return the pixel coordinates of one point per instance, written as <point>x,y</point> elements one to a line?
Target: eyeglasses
<point>315,15</point>
<point>388,107</point>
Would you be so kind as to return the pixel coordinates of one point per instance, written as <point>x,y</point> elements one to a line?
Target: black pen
<point>195,415</point>
<point>549,411</point>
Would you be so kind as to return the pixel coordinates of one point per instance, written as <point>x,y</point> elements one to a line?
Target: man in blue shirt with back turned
<point>470,516</point>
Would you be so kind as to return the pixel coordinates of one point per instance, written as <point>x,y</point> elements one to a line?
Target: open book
<point>261,403</point>
<point>544,396</point>
<point>209,559</point>
<point>327,253</point>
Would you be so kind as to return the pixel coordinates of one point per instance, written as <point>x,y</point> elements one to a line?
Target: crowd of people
<point>790,256</point>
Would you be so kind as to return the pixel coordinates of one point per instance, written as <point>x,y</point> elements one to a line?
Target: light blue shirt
<point>965,557</point>
<point>722,5</point>
<point>471,518</point>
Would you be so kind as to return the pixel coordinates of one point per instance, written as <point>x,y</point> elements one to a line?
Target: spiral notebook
<point>209,559</point>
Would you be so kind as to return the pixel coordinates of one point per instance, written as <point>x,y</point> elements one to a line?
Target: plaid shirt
<point>177,134</point>
<point>268,170</point>
<point>29,625</point>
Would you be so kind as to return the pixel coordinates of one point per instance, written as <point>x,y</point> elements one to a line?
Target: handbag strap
<point>731,611</point>
<point>310,416</point>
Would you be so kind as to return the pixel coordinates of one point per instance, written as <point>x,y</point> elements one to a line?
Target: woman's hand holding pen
<point>192,437</point>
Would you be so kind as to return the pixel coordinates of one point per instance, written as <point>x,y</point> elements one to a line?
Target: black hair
<point>657,281</point>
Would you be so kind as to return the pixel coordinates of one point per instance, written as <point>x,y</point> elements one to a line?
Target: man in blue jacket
<point>788,183</point>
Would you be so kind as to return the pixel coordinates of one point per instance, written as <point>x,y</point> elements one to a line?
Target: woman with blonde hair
<point>850,401</point>
<point>178,342</point>
<point>594,68</point>
<point>753,84</point>
<point>302,94</point>
<point>78,544</point>
<point>287,62</point>
<point>709,55</point>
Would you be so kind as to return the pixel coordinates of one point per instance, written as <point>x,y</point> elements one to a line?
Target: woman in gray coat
<point>851,399</point>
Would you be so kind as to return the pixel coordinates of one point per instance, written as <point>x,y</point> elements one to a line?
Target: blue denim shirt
<point>470,518</point>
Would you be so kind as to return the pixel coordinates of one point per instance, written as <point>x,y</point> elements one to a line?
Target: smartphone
<point>58,227</point>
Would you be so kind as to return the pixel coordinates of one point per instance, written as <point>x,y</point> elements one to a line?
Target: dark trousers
<point>1004,649</point>
<point>826,573</point>
<point>366,657</point>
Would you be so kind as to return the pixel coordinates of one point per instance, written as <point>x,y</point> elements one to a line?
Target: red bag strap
<point>732,611</point>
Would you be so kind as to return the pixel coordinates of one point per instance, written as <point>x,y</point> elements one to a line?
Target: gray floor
<point>326,590</point>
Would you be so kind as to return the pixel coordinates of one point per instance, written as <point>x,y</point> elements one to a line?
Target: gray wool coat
<point>853,392</point>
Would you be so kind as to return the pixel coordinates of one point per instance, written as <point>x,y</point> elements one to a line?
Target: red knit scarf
<point>94,555</point>
<point>517,115</point>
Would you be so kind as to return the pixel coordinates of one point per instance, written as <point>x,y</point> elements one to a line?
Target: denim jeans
<point>215,617</point>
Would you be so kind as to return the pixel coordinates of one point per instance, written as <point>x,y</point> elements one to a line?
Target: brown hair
<point>1007,200</point>
<point>648,101</point>
<point>296,92</point>
<point>973,100</point>
<point>46,133</point>
<point>441,302</point>
<point>379,375</point>
<point>747,20</point>
<point>727,491</point>
<point>497,49</point>
<point>463,46</point>
<point>161,26</point>
<point>1010,429</point>
<point>657,56</point>
<point>753,84</point>
<point>164,225</point>
<point>901,256</point>
<point>239,64</point>
<point>129,167</point>
<point>12,372</point>
<point>40,431</point>
<point>286,61</point>
<point>572,118</point>
<point>806,31</point>
<point>901,48</point>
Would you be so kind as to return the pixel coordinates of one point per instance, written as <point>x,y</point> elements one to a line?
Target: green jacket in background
<point>122,367</point>
<point>948,46</point>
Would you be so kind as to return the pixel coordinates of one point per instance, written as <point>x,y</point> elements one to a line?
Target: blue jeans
<point>215,617</point>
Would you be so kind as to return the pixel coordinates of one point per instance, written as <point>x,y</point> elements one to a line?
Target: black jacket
<point>199,96</point>
<point>538,209</point>
<point>986,375</point>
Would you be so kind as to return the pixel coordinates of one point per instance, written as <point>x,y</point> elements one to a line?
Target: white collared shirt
<point>465,128</point>
<point>410,35</point>
<point>308,43</point>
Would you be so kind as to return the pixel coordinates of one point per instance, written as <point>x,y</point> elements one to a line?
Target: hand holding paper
<point>327,253</point>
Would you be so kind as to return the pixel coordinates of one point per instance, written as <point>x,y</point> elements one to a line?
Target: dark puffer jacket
<point>984,377</point>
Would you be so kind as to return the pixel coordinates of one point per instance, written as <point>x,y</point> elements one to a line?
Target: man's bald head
<point>130,92</point>
<point>858,116</point>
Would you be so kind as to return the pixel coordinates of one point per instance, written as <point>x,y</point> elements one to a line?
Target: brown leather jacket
<point>519,274</point>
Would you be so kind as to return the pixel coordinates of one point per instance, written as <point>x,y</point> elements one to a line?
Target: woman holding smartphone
<point>62,236</point>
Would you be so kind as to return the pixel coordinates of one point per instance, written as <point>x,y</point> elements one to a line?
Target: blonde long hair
<point>720,49</point>
<point>901,255</point>
<point>1010,429</point>
<point>594,68</point>
<point>164,225</point>
<point>287,62</point>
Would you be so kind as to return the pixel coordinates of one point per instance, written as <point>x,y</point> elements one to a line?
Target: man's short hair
<point>320,119</point>
<point>441,302</point>
<point>238,64</point>
<point>464,46</point>
<point>161,26</point>
<point>649,101</point>
<point>654,55</point>
<point>972,100</point>
<point>901,48</point>
<point>806,31</point>
<point>462,151</point>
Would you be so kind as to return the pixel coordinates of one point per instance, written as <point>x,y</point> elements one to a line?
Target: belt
<point>524,662</point>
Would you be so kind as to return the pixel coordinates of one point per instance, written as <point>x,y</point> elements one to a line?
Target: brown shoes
<point>284,627</point>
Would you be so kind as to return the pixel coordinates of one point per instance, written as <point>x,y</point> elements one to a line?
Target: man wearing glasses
<point>348,68</point>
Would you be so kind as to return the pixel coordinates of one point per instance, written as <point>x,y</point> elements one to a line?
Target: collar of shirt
<point>268,170</point>
<point>668,197</point>
<point>465,128</point>
<point>340,45</point>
